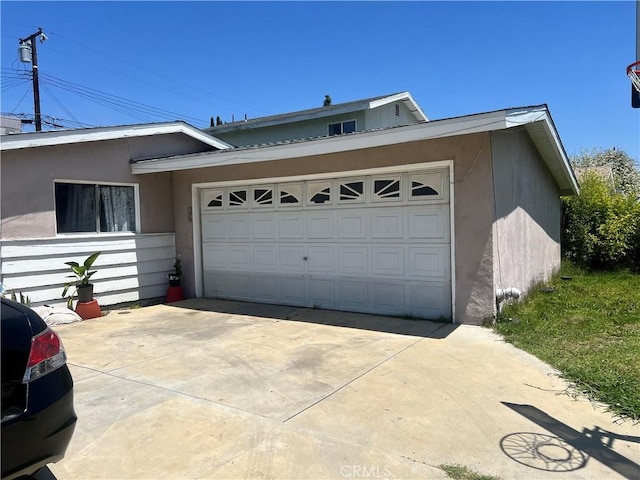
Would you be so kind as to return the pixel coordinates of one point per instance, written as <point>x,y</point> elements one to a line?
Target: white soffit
<point>65,137</point>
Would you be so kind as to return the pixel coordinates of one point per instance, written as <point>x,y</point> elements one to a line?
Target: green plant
<point>601,226</point>
<point>177,267</point>
<point>174,277</point>
<point>461,472</point>
<point>81,276</point>
<point>23,299</point>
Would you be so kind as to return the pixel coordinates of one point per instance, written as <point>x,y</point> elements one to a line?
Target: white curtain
<point>117,209</point>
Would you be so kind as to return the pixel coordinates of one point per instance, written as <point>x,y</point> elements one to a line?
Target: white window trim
<point>136,199</point>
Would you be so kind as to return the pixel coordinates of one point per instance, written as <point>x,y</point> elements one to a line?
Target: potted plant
<point>174,277</point>
<point>80,284</point>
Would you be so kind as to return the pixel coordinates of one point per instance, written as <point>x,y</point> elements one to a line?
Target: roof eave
<point>66,137</point>
<point>537,120</point>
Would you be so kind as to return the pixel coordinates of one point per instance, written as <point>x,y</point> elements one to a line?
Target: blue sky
<point>201,59</point>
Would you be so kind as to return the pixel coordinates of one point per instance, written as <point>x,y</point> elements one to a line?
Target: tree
<point>626,175</point>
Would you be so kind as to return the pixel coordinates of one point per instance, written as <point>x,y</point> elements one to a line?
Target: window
<point>238,198</point>
<point>342,127</point>
<point>318,193</point>
<point>82,207</point>
<point>386,188</point>
<point>291,194</point>
<point>426,185</point>
<point>351,191</point>
<point>263,197</point>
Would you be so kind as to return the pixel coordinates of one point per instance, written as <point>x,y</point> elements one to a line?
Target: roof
<point>61,137</point>
<point>330,110</point>
<point>535,119</point>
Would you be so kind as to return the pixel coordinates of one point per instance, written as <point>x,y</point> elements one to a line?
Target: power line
<point>190,87</point>
<point>108,99</point>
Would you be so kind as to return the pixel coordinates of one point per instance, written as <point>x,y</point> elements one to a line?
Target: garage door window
<point>386,189</point>
<point>238,198</point>
<point>319,193</point>
<point>291,194</point>
<point>263,197</point>
<point>351,191</point>
<point>426,185</point>
<point>90,208</point>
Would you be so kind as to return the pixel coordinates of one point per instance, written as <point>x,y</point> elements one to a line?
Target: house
<point>69,193</point>
<point>368,114</point>
<point>428,219</point>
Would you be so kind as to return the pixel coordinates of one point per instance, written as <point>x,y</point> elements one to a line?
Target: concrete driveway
<point>215,389</point>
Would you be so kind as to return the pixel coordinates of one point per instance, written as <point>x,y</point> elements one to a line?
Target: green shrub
<point>602,227</point>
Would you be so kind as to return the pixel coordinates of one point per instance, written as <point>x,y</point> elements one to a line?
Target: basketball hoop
<point>633,72</point>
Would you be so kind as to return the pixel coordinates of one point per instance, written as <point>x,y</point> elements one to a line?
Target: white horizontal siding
<point>131,267</point>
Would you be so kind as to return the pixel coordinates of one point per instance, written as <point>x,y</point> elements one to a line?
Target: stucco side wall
<point>27,185</point>
<point>472,193</point>
<point>528,213</point>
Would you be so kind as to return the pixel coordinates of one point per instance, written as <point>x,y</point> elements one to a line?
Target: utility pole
<point>30,41</point>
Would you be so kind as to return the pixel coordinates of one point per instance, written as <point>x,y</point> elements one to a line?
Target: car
<point>38,416</point>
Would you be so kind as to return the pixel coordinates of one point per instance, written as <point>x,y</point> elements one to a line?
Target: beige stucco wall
<point>28,175</point>
<point>472,194</point>
<point>528,212</point>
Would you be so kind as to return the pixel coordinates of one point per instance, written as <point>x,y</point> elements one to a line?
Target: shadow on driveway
<point>363,321</point>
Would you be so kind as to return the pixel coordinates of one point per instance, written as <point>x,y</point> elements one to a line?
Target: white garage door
<point>375,243</point>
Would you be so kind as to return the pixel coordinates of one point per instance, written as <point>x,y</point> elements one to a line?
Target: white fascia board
<point>326,145</point>
<point>65,137</point>
<point>552,150</point>
<point>407,99</point>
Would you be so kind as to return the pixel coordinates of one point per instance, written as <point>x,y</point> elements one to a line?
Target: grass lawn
<point>588,328</point>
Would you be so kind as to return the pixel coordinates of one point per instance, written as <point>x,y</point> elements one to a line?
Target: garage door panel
<point>431,300</point>
<point>239,258</point>
<point>239,286</point>
<point>238,227</point>
<point>264,226</point>
<point>214,257</point>
<point>320,259</point>
<point>429,224</point>
<point>214,285</point>
<point>291,258</point>
<point>213,228</point>
<point>388,260</point>
<point>388,296</point>
<point>265,289</point>
<point>352,224</point>
<point>321,292</point>
<point>292,290</point>
<point>354,294</point>
<point>387,224</point>
<point>290,226</point>
<point>265,258</point>
<point>429,262</point>
<point>353,261</point>
<point>320,225</point>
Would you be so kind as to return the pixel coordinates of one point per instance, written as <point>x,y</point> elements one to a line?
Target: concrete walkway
<point>214,389</point>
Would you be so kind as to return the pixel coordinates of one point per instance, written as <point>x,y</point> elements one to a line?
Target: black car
<point>38,417</point>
